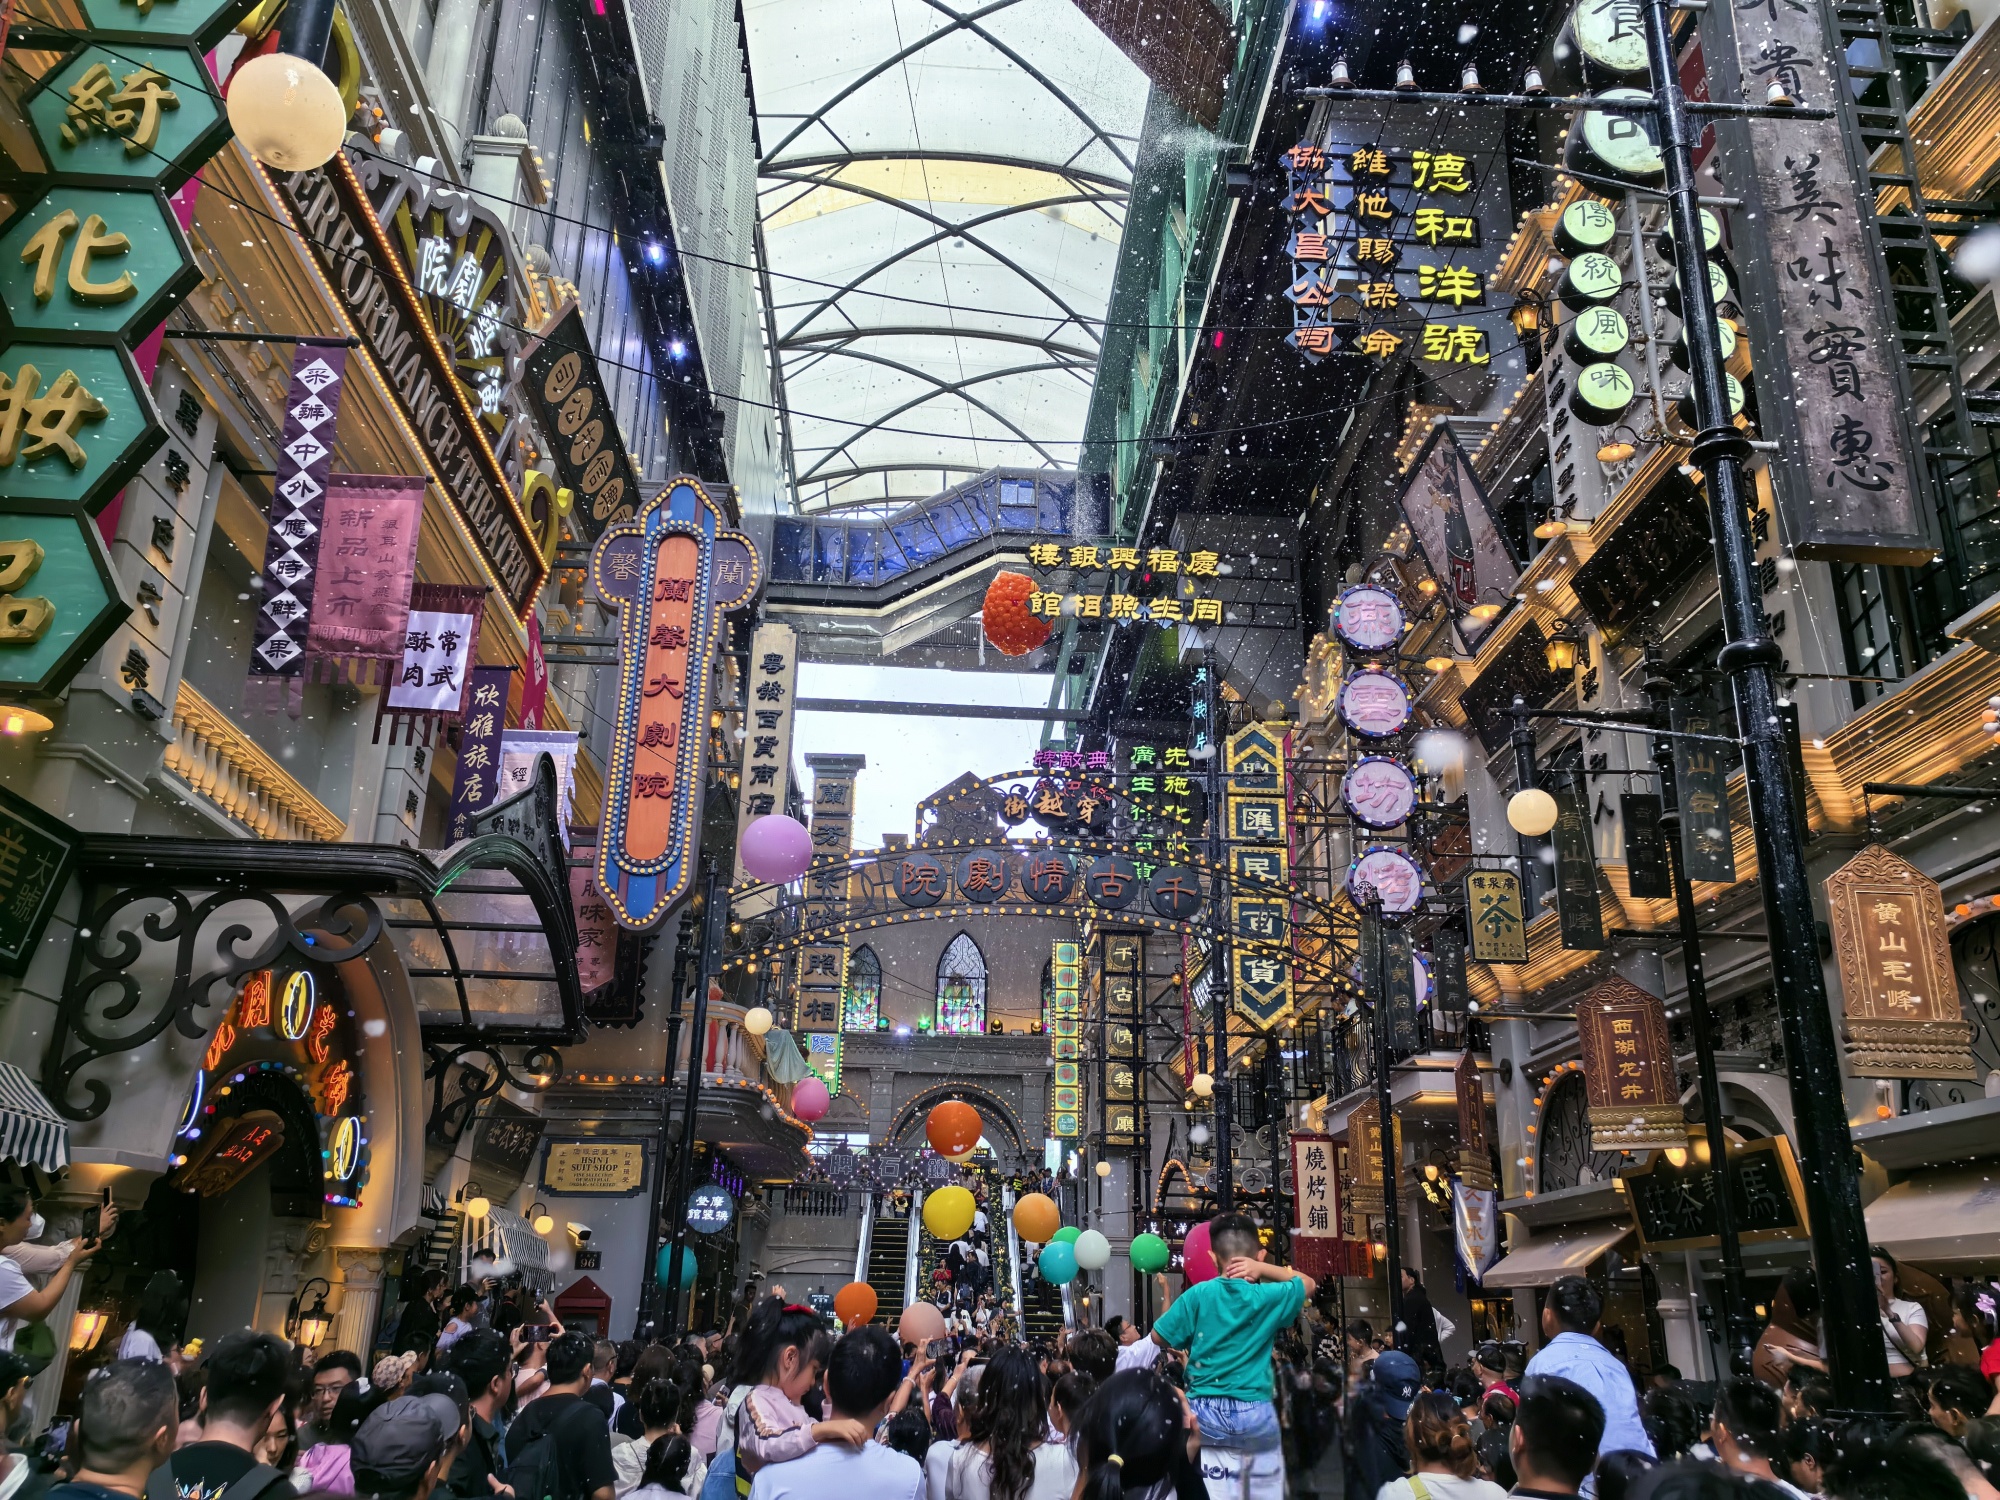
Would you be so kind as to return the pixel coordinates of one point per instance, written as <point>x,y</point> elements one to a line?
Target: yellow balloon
<point>948,1212</point>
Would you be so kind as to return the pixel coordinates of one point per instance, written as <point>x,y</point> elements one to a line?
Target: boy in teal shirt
<point>1228,1326</point>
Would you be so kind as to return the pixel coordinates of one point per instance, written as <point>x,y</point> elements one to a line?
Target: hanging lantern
<point>1004,617</point>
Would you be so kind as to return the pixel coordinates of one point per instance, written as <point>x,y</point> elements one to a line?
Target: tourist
<point>601,1393</point>
<point>1066,1400</point>
<point>1440,1446</point>
<point>1417,1334</point>
<point>332,1373</point>
<point>576,1429</point>
<point>1375,1446</point>
<point>462,1316</point>
<point>1957,1394</point>
<point>1489,1365</point>
<point>20,1302</point>
<point>1136,1440</point>
<point>1975,1314</point>
<point>1616,1474</point>
<point>19,1479</point>
<point>656,1362</point>
<point>393,1372</point>
<point>1906,1327</point>
<point>659,1405</point>
<point>405,1447</point>
<point>1744,1431</point>
<point>327,1462</point>
<point>248,1375</point>
<point>1008,1455</point>
<point>1228,1326</point>
<point>861,1375</point>
<point>1570,1320</point>
<point>784,1351</point>
<point>155,1330</point>
<point>485,1362</point>
<point>670,1469</point>
<point>418,1327</point>
<point>1809,1447</point>
<point>1555,1438</point>
<point>127,1416</point>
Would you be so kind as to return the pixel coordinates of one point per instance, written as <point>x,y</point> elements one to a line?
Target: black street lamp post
<point>1851,1315</point>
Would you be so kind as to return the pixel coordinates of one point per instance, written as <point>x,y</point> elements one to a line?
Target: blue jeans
<point>1245,1426</point>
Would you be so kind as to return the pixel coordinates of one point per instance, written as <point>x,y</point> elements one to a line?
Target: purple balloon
<point>810,1100</point>
<point>776,848</point>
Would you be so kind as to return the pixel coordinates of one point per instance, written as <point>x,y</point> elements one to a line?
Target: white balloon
<point>1093,1250</point>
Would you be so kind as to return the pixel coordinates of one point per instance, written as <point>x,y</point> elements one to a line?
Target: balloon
<point>1093,1250</point>
<point>919,1324</point>
<point>662,1267</point>
<point>1004,614</point>
<point>776,847</point>
<point>1149,1254</point>
<point>854,1304</point>
<point>1067,1235</point>
<point>953,1128</point>
<point>948,1212</point>
<point>810,1100</point>
<point>1058,1262</point>
<point>1036,1218</point>
<point>1198,1259</point>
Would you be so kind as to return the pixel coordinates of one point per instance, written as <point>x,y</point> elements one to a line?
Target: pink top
<point>770,1428</point>
<point>707,1434</point>
<point>330,1467</point>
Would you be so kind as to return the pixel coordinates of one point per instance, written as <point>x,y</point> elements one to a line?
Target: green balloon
<point>1066,1235</point>
<point>1149,1254</point>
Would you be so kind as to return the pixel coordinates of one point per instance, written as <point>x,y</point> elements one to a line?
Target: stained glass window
<point>961,988</point>
<point>864,990</point>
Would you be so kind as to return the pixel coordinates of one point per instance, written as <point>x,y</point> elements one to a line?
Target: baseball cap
<point>402,1438</point>
<point>1396,1375</point>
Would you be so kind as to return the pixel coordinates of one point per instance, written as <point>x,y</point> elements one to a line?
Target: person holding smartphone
<point>20,1302</point>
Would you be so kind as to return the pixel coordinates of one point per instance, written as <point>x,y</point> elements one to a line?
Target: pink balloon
<point>810,1101</point>
<point>1200,1259</point>
<point>776,848</point>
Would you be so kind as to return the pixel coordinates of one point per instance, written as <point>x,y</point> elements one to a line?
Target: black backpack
<point>535,1473</point>
<point>252,1484</point>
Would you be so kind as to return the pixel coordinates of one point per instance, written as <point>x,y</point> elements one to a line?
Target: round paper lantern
<point>1093,1250</point>
<point>1036,1218</point>
<point>953,1128</point>
<point>810,1100</point>
<point>854,1304</point>
<point>663,1267</point>
<point>919,1324</point>
<point>1198,1259</point>
<point>287,112</point>
<point>1005,617</point>
<point>757,1020</point>
<point>1067,1235</point>
<point>948,1212</point>
<point>1058,1263</point>
<point>1149,1254</point>
<point>1532,812</point>
<point>776,847</point>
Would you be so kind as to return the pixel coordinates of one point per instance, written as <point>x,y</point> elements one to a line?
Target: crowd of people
<point>1231,1389</point>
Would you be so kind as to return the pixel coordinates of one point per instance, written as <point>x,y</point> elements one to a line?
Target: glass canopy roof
<point>941,196</point>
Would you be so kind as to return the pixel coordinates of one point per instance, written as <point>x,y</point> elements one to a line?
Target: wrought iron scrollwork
<point>540,1068</point>
<point>1975,955</point>
<point>121,924</point>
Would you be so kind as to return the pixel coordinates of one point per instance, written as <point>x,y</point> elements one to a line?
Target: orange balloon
<point>1036,1218</point>
<point>953,1128</point>
<point>854,1304</point>
<point>1005,618</point>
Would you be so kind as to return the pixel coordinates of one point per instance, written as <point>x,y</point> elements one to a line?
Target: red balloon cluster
<point>1009,626</point>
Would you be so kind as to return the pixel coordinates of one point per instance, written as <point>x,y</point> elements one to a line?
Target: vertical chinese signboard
<point>1121,984</point>
<point>1493,908</point>
<point>1468,556</point>
<point>1832,389</point>
<point>822,975</point>
<point>36,856</point>
<point>1899,992</point>
<point>476,781</point>
<point>1259,916</point>
<point>1628,1068</point>
<point>1364,1156</point>
<point>768,693</point>
<point>1475,1154</point>
<point>1708,843</point>
<point>1577,906</point>
<point>1065,1040</point>
<point>674,569</point>
<point>1316,1236</point>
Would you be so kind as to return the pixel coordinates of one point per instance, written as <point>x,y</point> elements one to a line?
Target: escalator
<point>888,1249</point>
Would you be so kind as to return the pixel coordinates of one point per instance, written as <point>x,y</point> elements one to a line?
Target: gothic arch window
<point>864,990</point>
<point>1565,1159</point>
<point>961,988</point>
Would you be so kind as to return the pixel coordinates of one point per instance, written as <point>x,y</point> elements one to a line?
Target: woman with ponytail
<point>1442,1451</point>
<point>1008,1457</point>
<point>1137,1440</point>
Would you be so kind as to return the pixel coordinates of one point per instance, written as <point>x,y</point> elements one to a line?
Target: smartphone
<point>535,1333</point>
<point>937,1349</point>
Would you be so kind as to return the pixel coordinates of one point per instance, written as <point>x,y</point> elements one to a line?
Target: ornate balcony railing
<point>222,764</point>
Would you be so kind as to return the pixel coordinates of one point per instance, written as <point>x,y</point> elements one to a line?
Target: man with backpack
<point>130,1413</point>
<point>559,1448</point>
<point>249,1375</point>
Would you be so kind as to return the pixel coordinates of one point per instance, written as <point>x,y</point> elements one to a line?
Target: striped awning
<point>31,1132</point>
<point>503,1235</point>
